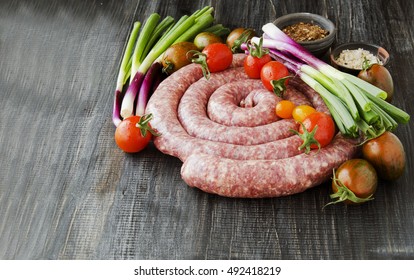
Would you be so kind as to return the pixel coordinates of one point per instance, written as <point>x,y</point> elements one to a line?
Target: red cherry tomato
<point>273,71</point>
<point>253,65</point>
<point>214,58</point>
<point>219,57</point>
<point>317,131</point>
<point>133,134</point>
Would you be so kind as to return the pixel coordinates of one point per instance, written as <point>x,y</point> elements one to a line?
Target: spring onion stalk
<point>396,113</point>
<point>128,71</point>
<point>370,131</point>
<point>370,116</point>
<point>218,29</point>
<point>334,87</point>
<point>206,9</point>
<point>124,72</point>
<point>369,88</point>
<point>127,106</point>
<point>146,88</point>
<point>143,39</point>
<point>173,28</point>
<point>386,121</point>
<point>354,103</point>
<point>162,27</point>
<point>202,22</point>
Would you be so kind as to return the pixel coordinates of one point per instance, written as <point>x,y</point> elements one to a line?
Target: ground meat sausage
<point>211,126</point>
<point>264,178</point>
<point>242,103</point>
<point>193,115</point>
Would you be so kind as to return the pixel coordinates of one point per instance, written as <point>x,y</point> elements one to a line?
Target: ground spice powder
<point>303,32</point>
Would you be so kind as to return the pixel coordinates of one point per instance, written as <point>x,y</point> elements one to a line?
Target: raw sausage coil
<point>231,142</point>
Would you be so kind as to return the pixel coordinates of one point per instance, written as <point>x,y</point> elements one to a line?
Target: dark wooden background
<point>67,191</point>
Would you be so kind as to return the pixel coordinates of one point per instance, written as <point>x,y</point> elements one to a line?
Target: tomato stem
<point>279,86</point>
<point>200,58</point>
<point>243,38</point>
<point>256,50</point>
<point>145,127</point>
<point>308,138</point>
<point>366,64</point>
<point>168,67</point>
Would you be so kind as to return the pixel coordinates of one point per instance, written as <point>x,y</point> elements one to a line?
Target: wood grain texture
<point>67,192</point>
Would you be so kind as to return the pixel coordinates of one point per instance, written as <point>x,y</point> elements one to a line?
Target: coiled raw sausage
<point>225,131</point>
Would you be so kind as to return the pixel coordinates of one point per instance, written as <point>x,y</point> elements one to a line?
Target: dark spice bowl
<point>317,47</point>
<point>377,51</point>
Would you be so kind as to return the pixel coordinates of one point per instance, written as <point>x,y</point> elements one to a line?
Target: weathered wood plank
<point>67,192</point>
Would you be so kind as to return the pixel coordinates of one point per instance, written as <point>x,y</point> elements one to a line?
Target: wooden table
<point>67,191</point>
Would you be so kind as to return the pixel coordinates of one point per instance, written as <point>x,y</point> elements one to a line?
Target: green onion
<point>335,87</point>
<point>158,31</point>
<point>356,106</point>
<point>335,105</point>
<point>367,87</point>
<point>153,40</point>
<point>124,72</point>
<point>218,29</point>
<point>396,113</point>
<point>200,24</point>
<point>142,41</point>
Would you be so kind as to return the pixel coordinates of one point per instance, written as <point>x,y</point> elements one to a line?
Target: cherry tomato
<point>219,57</point>
<point>176,56</point>
<point>354,182</point>
<point>253,65</point>
<point>273,71</point>
<point>317,131</point>
<point>300,112</point>
<point>133,134</point>
<point>386,153</point>
<point>214,58</point>
<point>237,37</point>
<point>380,77</point>
<point>256,59</point>
<point>284,109</point>
<point>204,39</point>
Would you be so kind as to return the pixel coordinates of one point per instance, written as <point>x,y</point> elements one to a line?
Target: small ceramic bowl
<point>377,51</point>
<point>317,47</point>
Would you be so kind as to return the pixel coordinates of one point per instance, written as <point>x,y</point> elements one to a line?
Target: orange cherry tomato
<point>284,109</point>
<point>300,112</point>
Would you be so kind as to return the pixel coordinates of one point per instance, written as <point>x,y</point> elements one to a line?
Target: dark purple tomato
<point>386,153</point>
<point>354,182</point>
